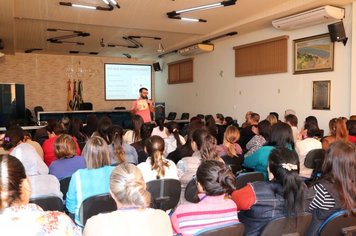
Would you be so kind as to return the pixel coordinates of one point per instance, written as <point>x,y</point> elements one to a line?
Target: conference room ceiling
<point>24,24</point>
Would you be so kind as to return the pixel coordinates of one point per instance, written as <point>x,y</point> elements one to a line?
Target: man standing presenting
<point>143,106</point>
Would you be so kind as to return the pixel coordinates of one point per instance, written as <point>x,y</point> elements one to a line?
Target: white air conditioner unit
<point>196,49</point>
<point>312,17</point>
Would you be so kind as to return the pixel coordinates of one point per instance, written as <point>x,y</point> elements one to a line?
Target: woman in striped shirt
<point>214,182</point>
<point>336,189</point>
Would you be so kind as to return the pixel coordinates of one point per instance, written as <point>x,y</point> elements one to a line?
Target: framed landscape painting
<point>313,54</point>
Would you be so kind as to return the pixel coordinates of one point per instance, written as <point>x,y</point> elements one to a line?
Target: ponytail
<point>173,128</point>
<point>231,136</point>
<point>158,163</point>
<point>208,148</point>
<point>284,165</point>
<point>215,178</point>
<point>115,138</point>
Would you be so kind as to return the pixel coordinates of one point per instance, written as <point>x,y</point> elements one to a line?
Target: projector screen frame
<point>150,89</point>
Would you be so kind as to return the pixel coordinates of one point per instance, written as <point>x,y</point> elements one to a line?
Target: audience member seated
<point>292,120</point>
<point>302,147</point>
<point>120,151</point>
<point>160,130</point>
<point>174,139</point>
<point>94,179</point>
<point>54,131</point>
<point>247,133</point>
<point>338,131</point>
<point>186,149</point>
<point>44,186</point>
<point>36,145</point>
<point>67,161</point>
<point>272,119</point>
<point>281,136</point>
<point>230,151</point>
<point>260,202</point>
<point>230,121</point>
<point>65,121</point>
<point>351,127</point>
<point>313,125</point>
<point>211,125</point>
<point>103,126</point>
<point>13,142</point>
<point>75,129</point>
<point>18,217</point>
<point>146,130</point>
<point>336,189</point>
<point>247,121</point>
<point>262,136</point>
<point>134,135</point>
<point>41,134</point>
<point>133,217</point>
<point>91,125</point>
<point>204,147</point>
<point>156,166</point>
<point>221,126</point>
<point>214,182</point>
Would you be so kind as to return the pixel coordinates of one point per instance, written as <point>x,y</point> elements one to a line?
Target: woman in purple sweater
<point>67,162</point>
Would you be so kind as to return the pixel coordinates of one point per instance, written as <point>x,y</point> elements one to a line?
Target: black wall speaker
<point>337,32</point>
<point>156,66</point>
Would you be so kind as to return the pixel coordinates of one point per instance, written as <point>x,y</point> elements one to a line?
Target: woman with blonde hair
<point>229,150</point>
<point>94,179</point>
<point>156,166</point>
<point>133,217</point>
<point>18,216</point>
<point>67,160</point>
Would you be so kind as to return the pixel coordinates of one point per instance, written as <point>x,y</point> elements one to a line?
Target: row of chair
<point>173,115</point>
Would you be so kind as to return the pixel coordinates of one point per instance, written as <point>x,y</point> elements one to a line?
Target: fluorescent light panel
<point>106,2</point>
<point>199,8</point>
<point>189,19</point>
<point>83,6</point>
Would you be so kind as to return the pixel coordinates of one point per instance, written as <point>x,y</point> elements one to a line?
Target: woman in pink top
<point>214,182</point>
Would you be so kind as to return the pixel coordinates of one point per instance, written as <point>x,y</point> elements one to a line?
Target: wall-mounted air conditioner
<point>315,16</point>
<point>196,49</point>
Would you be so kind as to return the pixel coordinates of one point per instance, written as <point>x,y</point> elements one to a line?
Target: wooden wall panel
<point>264,57</point>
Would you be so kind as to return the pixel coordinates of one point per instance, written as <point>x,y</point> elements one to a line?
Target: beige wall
<point>216,89</point>
<point>45,79</point>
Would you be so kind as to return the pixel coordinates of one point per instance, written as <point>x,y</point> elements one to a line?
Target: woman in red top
<point>54,131</point>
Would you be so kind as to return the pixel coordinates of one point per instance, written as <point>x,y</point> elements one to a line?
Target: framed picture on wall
<point>321,95</point>
<point>313,54</point>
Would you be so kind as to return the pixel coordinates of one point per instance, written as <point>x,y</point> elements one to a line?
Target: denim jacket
<point>269,205</point>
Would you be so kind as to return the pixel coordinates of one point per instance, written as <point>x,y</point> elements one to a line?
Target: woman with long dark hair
<point>134,135</point>
<point>281,136</point>
<point>160,129</point>
<point>174,140</point>
<point>260,202</point>
<point>336,189</point>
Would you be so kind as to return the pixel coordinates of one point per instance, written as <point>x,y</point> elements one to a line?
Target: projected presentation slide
<point>123,81</point>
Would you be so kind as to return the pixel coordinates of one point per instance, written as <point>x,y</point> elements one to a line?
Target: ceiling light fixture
<point>59,39</point>
<point>32,50</point>
<point>132,40</point>
<point>176,14</point>
<point>77,52</point>
<point>109,6</point>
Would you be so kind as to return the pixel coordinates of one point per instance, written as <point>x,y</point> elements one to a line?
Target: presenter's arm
<point>134,108</point>
<point>150,105</point>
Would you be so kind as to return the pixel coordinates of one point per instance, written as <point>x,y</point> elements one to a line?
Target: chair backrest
<point>314,159</point>
<point>49,203</point>
<point>191,191</point>
<point>165,193</point>
<point>185,116</point>
<point>171,115</point>
<point>94,205</point>
<point>338,224</point>
<point>64,184</point>
<point>292,225</point>
<point>248,177</point>
<point>234,229</point>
